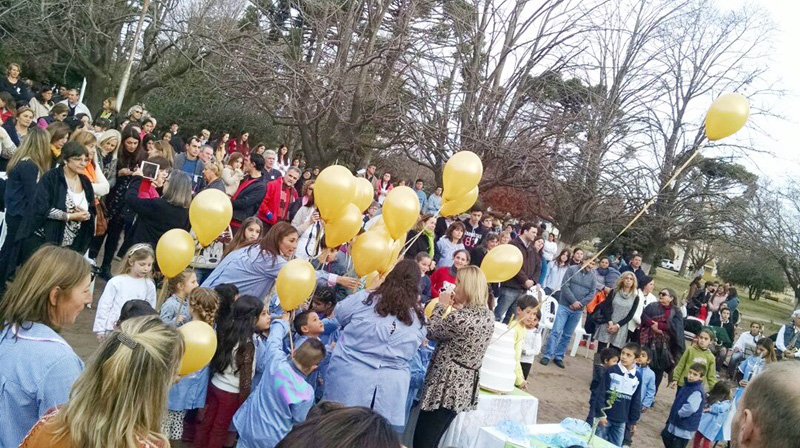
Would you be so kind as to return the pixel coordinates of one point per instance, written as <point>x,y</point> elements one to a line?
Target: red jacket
<point>272,201</point>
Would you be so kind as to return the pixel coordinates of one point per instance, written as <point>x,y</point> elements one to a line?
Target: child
<point>527,306</point>
<point>697,353</point>
<point>449,243</point>
<point>135,308</point>
<point>753,365</point>
<point>323,301</point>
<point>745,346</point>
<point>532,344</point>
<point>190,392</point>
<point>424,261</point>
<point>228,293</point>
<point>712,421</point>
<point>231,369</point>
<point>132,282</point>
<point>684,417</point>
<point>609,356</point>
<point>175,310</point>
<point>284,397</point>
<point>307,324</point>
<point>248,233</point>
<point>648,380</point>
<point>623,379</point>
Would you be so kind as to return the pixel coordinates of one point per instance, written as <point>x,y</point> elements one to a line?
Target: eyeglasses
<point>663,294</point>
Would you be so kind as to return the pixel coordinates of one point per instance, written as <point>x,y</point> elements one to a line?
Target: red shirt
<point>441,278</point>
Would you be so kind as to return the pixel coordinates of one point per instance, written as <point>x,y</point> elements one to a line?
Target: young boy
<point>745,346</point>
<point>626,409</point>
<point>527,307</point>
<point>648,390</point>
<point>283,397</point>
<point>697,353</point>
<point>684,417</point>
<point>608,357</point>
<point>531,344</point>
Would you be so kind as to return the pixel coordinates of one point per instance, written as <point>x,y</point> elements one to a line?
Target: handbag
<point>100,221</point>
<point>662,357</point>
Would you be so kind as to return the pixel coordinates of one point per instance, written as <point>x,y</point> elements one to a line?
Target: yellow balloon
<point>345,227</point>
<point>334,188</point>
<point>397,247</point>
<point>296,281</point>
<point>210,214</point>
<point>727,114</point>
<point>199,345</point>
<point>431,305</point>
<point>459,204</point>
<point>174,251</point>
<point>502,263</point>
<point>370,251</point>
<point>371,277</point>
<point>400,211</point>
<point>364,194</point>
<point>462,172</point>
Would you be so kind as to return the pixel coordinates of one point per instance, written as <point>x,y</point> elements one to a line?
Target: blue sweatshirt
<point>627,408</point>
<point>684,417</point>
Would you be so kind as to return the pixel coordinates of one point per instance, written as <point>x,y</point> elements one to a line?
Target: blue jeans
<point>612,432</point>
<point>505,303</point>
<point>566,321</point>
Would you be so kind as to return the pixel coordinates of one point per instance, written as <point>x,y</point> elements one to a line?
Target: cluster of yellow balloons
<point>461,176</point>
<point>341,198</point>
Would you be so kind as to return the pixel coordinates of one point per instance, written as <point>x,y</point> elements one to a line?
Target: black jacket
<point>21,187</point>
<point>531,265</point>
<point>421,244</point>
<point>246,203</point>
<point>153,216</point>
<point>51,192</point>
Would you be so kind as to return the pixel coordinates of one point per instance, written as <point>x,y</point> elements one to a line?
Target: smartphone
<point>149,170</point>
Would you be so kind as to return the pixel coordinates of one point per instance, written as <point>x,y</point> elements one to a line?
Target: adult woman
<point>451,382</point>
<point>130,157</point>
<point>425,241</point>
<point>57,114</point>
<point>489,242</point>
<point>109,112</point>
<point>108,142</point>
<point>259,149</point>
<point>135,114</point>
<point>283,161</point>
<point>383,188</point>
<point>119,400</point>
<point>63,209</point>
<point>232,173</point>
<point>383,330</point>
<point>38,367</point>
<point>555,274</point>
<point>308,225</point>
<point>254,268</point>
<point>221,146</point>
<point>444,278</point>
<point>549,251</point>
<point>614,313</point>
<point>646,297</point>
<point>662,333</point>
<point>694,287</point>
<point>59,135</point>
<point>720,297</point>
<point>17,127</point>
<point>12,84</point>
<point>154,216</point>
<point>99,181</point>
<point>29,163</point>
<point>449,243</point>
<point>42,103</point>
<point>7,106</point>
<point>303,179</point>
<point>159,148</point>
<point>240,145</point>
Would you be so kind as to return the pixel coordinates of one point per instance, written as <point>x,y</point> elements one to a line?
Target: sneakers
<point>544,361</point>
<point>592,346</point>
<point>559,363</point>
<point>582,343</point>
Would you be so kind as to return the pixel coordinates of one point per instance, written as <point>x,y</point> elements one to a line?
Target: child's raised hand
<point>743,383</point>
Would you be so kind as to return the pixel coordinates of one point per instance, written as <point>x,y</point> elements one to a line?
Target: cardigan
<point>154,216</point>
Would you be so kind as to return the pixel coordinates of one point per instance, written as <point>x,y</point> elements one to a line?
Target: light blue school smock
<point>370,365</point>
<point>190,391</point>
<point>37,369</point>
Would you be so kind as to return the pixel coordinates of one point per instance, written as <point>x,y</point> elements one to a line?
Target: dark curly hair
<point>398,294</point>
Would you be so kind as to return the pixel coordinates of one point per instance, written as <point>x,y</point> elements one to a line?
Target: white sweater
<point>119,290</point>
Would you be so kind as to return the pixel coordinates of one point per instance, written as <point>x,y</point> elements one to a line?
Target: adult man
<point>787,341</point>
<point>206,154</point>
<point>211,177</point>
<point>527,276</point>
<point>270,172</point>
<point>577,258</point>
<point>189,162</point>
<point>434,202</point>
<point>280,195</point>
<point>635,266</point>
<point>766,415</point>
<point>250,193</point>
<point>577,291</point>
<point>176,141</point>
<point>474,232</point>
<point>418,184</point>
<point>75,106</point>
<point>369,174</point>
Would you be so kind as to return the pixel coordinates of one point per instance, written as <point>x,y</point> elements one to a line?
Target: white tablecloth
<point>492,409</point>
<point>490,437</point>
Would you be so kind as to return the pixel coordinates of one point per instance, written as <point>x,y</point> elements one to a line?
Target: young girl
<point>231,369</point>
<point>698,352</point>
<point>132,282</point>
<point>718,403</point>
<point>248,233</point>
<point>532,343</point>
<point>449,243</point>
<point>175,310</point>
<point>190,392</point>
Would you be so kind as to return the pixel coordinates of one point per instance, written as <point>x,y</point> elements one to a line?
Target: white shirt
<point>531,345</point>
<point>80,108</point>
<point>119,290</point>
<point>228,380</point>
<point>747,343</point>
<point>549,250</point>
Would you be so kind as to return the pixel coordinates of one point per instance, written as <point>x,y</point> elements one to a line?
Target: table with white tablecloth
<point>517,405</point>
<point>491,437</point>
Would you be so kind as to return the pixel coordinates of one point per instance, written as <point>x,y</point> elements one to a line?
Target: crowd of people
<point>345,369</point>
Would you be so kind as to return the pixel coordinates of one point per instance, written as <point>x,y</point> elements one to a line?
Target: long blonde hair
<point>28,296</point>
<point>471,284</point>
<point>137,252</point>
<point>104,137</point>
<point>121,396</point>
<point>36,147</point>
<point>618,285</point>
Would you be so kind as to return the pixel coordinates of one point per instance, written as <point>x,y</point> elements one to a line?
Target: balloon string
<point>291,339</point>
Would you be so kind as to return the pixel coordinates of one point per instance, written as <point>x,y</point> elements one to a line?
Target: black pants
<point>431,426</point>
<point>9,254</point>
<point>526,369</point>
<point>111,238</point>
<point>673,441</point>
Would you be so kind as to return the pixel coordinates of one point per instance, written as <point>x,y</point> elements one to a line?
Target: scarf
<point>428,234</point>
<point>55,150</point>
<point>91,172</point>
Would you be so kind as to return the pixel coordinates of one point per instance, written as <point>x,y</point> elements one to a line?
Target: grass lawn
<point>770,313</point>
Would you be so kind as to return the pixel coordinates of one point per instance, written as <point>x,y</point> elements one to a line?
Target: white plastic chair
<point>549,308</point>
<point>578,334</point>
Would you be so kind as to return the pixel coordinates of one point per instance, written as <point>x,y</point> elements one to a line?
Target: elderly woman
<point>38,368</point>
<point>383,330</point>
<point>462,337</point>
<point>662,333</point>
<point>614,313</point>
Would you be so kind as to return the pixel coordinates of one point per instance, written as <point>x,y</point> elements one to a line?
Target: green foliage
<point>757,273</point>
